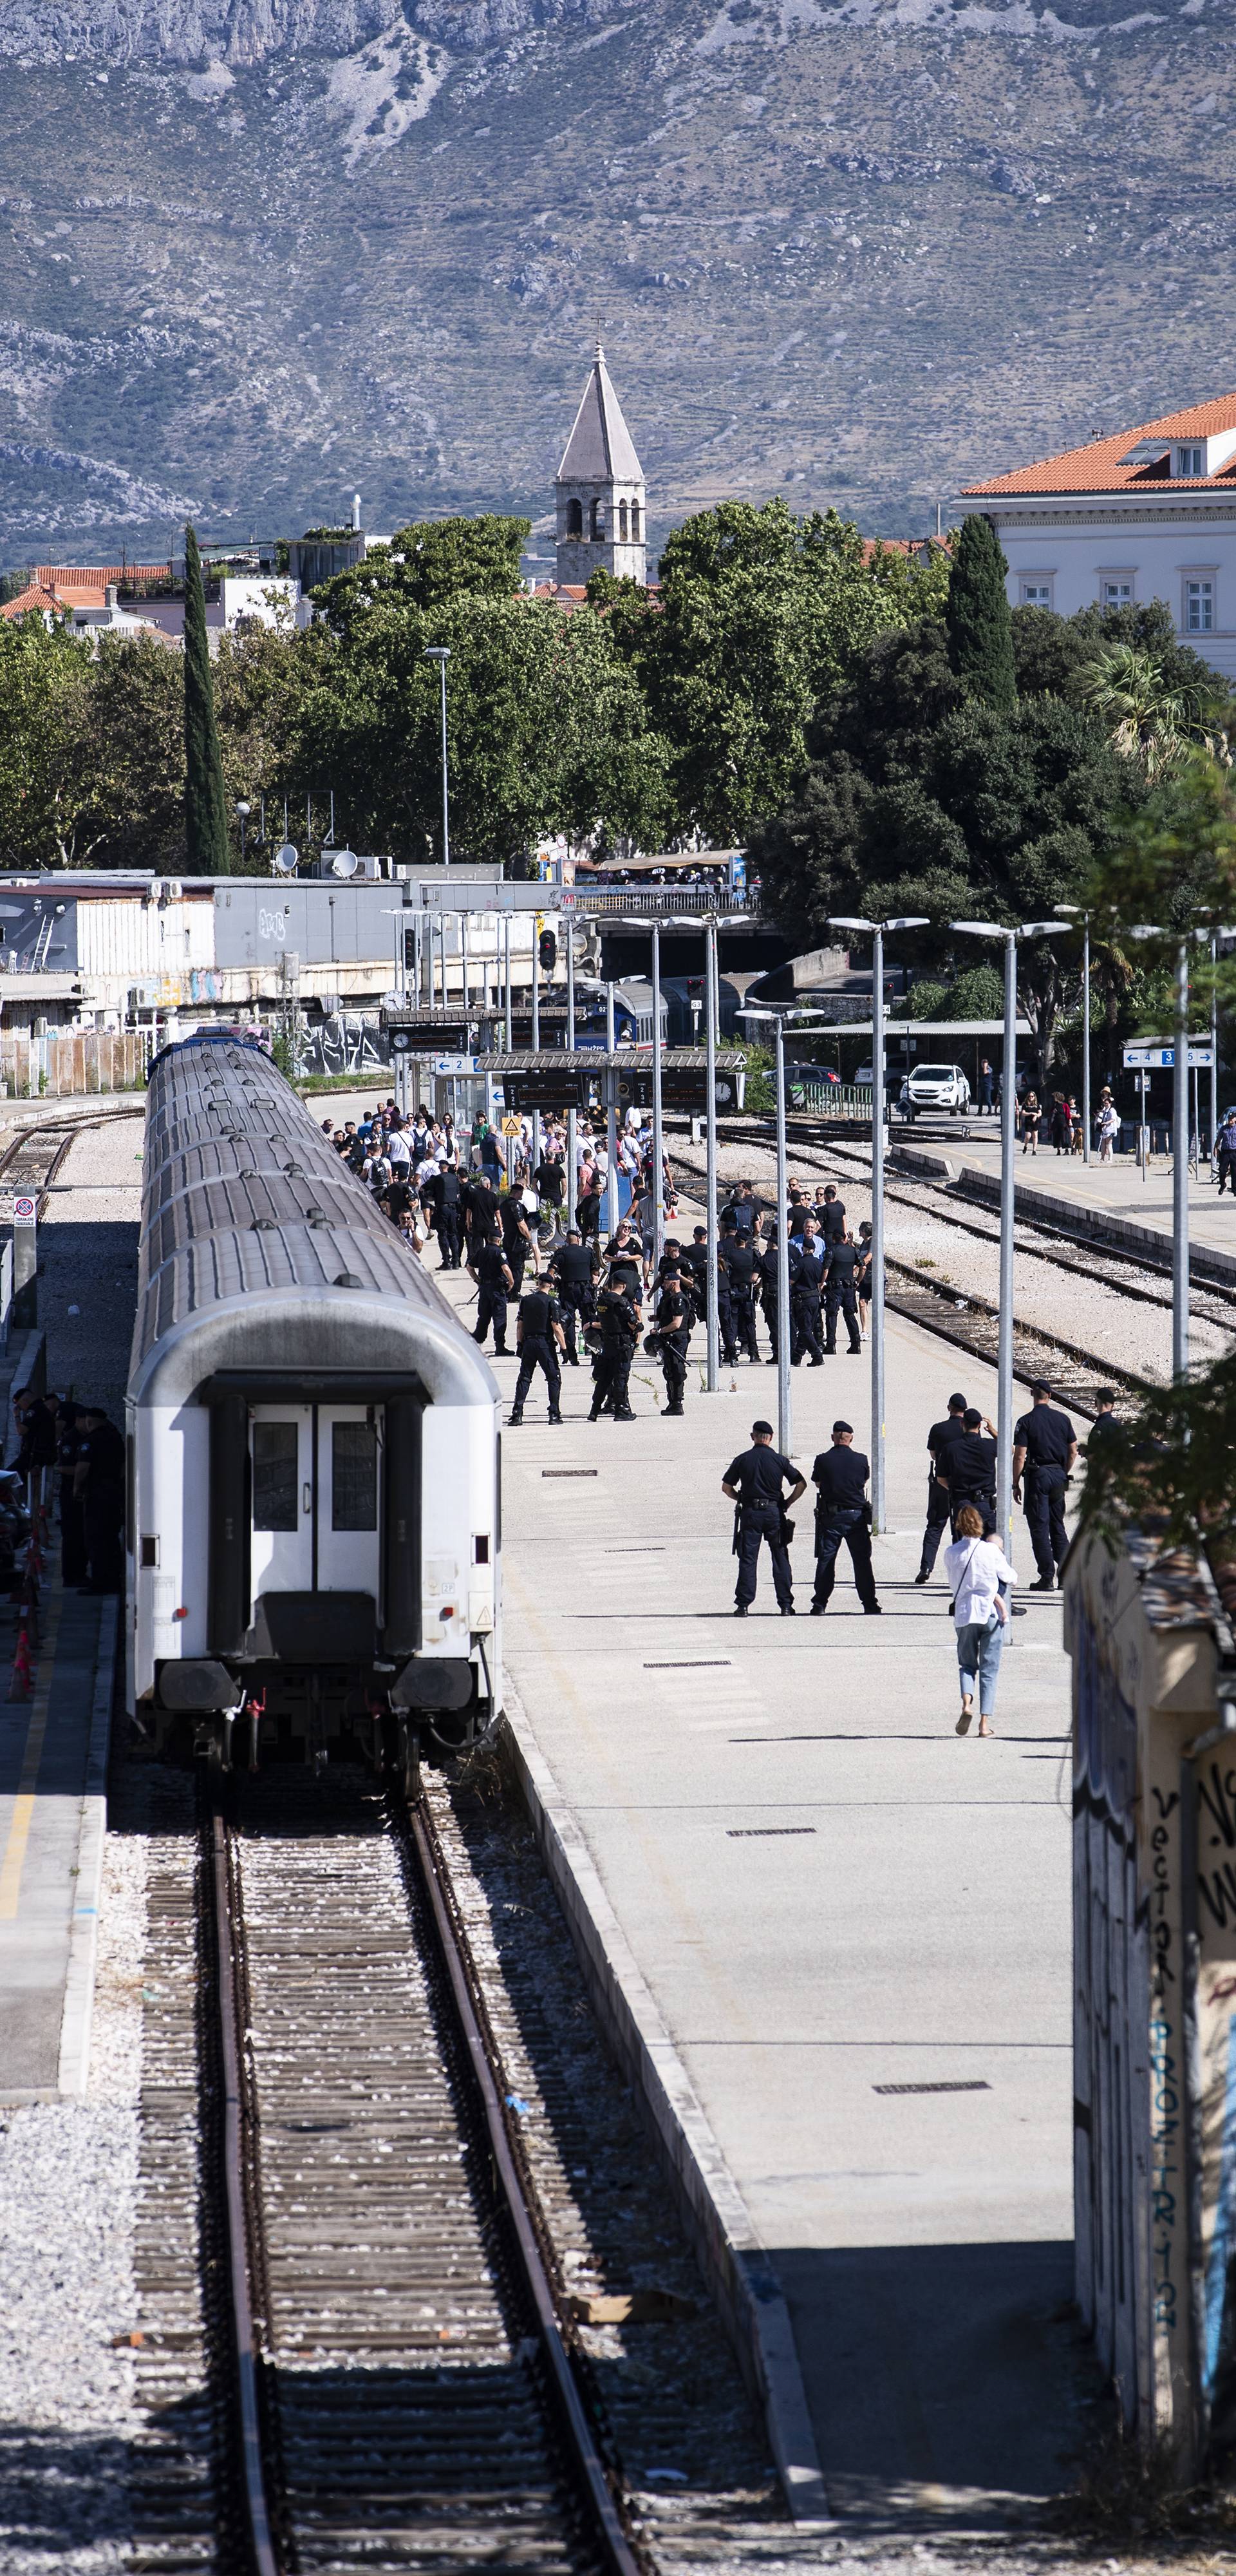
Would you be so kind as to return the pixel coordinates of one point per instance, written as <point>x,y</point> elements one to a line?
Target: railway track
<point>30,1163</point>
<point>404,2388</point>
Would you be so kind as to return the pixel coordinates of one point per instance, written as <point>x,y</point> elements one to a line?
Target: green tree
<point>1052,654</point>
<point>1147,716</point>
<point>207,849</point>
<point>428,566</point>
<point>980,641</point>
<point>44,679</point>
<point>127,756</point>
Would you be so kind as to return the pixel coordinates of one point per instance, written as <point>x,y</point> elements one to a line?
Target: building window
<point>1116,590</point>
<point>1199,607</point>
<point>1036,593</point>
<point>635,523</point>
<point>596,522</point>
<point>1190,461</point>
<point>622,521</point>
<point>575,518</point>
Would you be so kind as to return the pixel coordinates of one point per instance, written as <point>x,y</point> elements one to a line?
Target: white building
<point>599,490</point>
<point>1148,515</point>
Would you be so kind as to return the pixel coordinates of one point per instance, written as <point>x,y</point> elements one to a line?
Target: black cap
<point>1040,1387</point>
<point>843,1426</point>
<point>761,1431</point>
<point>957,1404</point>
<point>1105,1395</point>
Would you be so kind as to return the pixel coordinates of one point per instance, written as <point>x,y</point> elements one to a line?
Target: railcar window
<point>354,1476</point>
<point>274,1476</point>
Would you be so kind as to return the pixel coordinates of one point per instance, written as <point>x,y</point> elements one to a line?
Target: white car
<point>935,1086</point>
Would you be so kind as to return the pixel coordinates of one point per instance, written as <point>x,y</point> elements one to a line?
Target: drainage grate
<point>569,1471</point>
<point>747,1834</point>
<point>973,2085</point>
<point>692,1664</point>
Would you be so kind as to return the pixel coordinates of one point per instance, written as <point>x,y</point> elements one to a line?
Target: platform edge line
<point>737,2266</point>
<point>76,2021</point>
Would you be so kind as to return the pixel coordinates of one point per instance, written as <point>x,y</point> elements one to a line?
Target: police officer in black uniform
<point>1104,1426</point>
<point>618,1315</point>
<point>840,1477</point>
<point>516,1238</point>
<point>845,1263</point>
<point>939,1439</point>
<point>445,1197</point>
<point>494,1285</point>
<point>766,1272</point>
<point>98,1478</point>
<point>673,1317</point>
<point>74,1565</point>
<point>574,1272</point>
<point>756,1482</point>
<point>808,1271</point>
<point>1044,1451</point>
<point>481,1212</point>
<point>969,1469</point>
<point>830,1214</point>
<point>695,1266</point>
<point>738,1259</point>
<point>538,1339</point>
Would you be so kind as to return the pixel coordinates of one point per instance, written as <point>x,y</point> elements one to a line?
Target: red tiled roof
<point>62,577</point>
<point>1097,466</point>
<point>35,595</point>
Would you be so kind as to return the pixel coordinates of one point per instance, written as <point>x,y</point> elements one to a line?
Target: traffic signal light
<point>547,950</point>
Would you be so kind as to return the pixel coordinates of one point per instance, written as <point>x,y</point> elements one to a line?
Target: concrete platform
<point>53,1759</point>
<point>854,1925</point>
<point>1121,1203</point>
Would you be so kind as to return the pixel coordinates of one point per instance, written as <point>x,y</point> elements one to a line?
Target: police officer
<point>830,1214</point>
<point>674,1312</point>
<point>494,1285</point>
<point>481,1212</point>
<point>1044,1450</point>
<point>840,1477</point>
<point>808,1270</point>
<point>939,1439</point>
<point>445,1197</point>
<point>98,1478</point>
<point>573,1271</point>
<point>619,1318</point>
<point>755,1481</point>
<point>738,1259</point>
<point>845,1263</point>
<point>516,1238</point>
<point>538,1339</point>
<point>695,1266</point>
<point>74,1565</point>
<point>766,1272</point>
<point>969,1469</point>
<point>1104,1426</point>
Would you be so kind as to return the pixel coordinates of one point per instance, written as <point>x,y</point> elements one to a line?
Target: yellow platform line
<point>23,1805</point>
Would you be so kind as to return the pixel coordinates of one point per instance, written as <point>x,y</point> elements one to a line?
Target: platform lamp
<point>1180,1136</point>
<point>1008,1113</point>
<point>875,931</point>
<point>1079,914</point>
<point>243,811</point>
<point>798,1021</point>
<point>441,654</point>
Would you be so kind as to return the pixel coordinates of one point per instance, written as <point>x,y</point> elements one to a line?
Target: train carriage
<point>313,1445</point>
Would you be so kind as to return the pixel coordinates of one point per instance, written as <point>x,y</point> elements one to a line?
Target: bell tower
<point>599,489</point>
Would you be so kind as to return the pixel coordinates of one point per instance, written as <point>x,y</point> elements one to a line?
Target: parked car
<point>935,1086</point>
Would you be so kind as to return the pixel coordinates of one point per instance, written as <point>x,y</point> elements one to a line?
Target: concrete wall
<point>1078,553</point>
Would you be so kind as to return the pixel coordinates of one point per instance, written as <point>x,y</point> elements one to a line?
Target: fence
<point>69,1062</point>
<point>1154,1988</point>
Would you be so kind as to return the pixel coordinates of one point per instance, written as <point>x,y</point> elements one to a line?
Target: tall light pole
<point>1008,1117</point>
<point>710,1133</point>
<point>243,811</point>
<point>1076,909</point>
<point>572,1131</point>
<point>875,931</point>
<point>658,1186</point>
<point>785,1423</point>
<point>611,1117</point>
<point>1180,1170</point>
<point>441,654</point>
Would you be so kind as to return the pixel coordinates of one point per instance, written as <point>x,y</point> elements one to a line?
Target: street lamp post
<point>1008,1114</point>
<point>658,1165</point>
<point>1180,1170</point>
<point>441,654</point>
<point>785,1423</point>
<point>875,931</point>
<point>244,811</point>
<point>710,1133</point>
<point>1085,923</point>
<point>572,1131</point>
<point>611,1118</point>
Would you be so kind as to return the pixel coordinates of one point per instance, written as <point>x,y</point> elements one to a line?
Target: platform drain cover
<point>570,1471</point>
<point>974,2084</point>
<point>692,1664</point>
<point>749,1834</point>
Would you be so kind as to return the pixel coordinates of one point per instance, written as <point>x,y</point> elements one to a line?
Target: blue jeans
<point>978,1653</point>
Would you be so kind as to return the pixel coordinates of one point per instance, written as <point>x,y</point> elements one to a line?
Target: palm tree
<point>1145,716</point>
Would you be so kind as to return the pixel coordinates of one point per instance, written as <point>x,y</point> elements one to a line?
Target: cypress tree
<point>980,632</point>
<point>208,850</point>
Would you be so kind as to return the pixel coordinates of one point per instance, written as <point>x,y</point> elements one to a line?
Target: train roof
<point>243,1198</point>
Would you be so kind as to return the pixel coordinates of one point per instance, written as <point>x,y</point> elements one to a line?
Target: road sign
<point>1152,1056</point>
<point>453,1063</point>
<point>23,1211</point>
<point>512,1127</point>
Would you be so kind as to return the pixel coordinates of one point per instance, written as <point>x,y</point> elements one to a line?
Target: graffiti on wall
<point>346,1042</point>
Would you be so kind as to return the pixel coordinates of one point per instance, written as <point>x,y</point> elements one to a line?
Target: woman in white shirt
<point>976,1567</point>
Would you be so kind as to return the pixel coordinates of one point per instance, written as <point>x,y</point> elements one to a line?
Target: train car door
<point>349,1454</point>
<point>281,1447</point>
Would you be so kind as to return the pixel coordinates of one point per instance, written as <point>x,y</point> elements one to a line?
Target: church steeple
<point>599,489</point>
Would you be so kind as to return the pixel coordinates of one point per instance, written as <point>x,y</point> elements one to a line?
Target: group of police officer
<point>961,1453</point>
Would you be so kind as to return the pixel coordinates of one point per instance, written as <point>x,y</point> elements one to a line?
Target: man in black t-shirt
<point>840,1478</point>
<point>538,1340</point>
<point>573,1270</point>
<point>755,1481</point>
<point>445,1196</point>
<point>737,1258</point>
<point>830,1214</point>
<point>845,1262</point>
<point>968,1469</point>
<point>494,1285</point>
<point>675,1310</point>
<point>1044,1450</point>
<point>808,1271</point>
<point>768,1276</point>
<point>619,1317</point>
<point>939,1438</point>
<point>481,1209</point>
<point>516,1237</point>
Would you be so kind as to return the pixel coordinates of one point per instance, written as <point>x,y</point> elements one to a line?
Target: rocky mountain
<point>254,253</point>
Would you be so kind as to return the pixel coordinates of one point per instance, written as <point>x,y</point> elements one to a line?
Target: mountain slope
<point>256,254</point>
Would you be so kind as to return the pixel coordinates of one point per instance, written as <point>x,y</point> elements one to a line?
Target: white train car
<point>313,1446</point>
